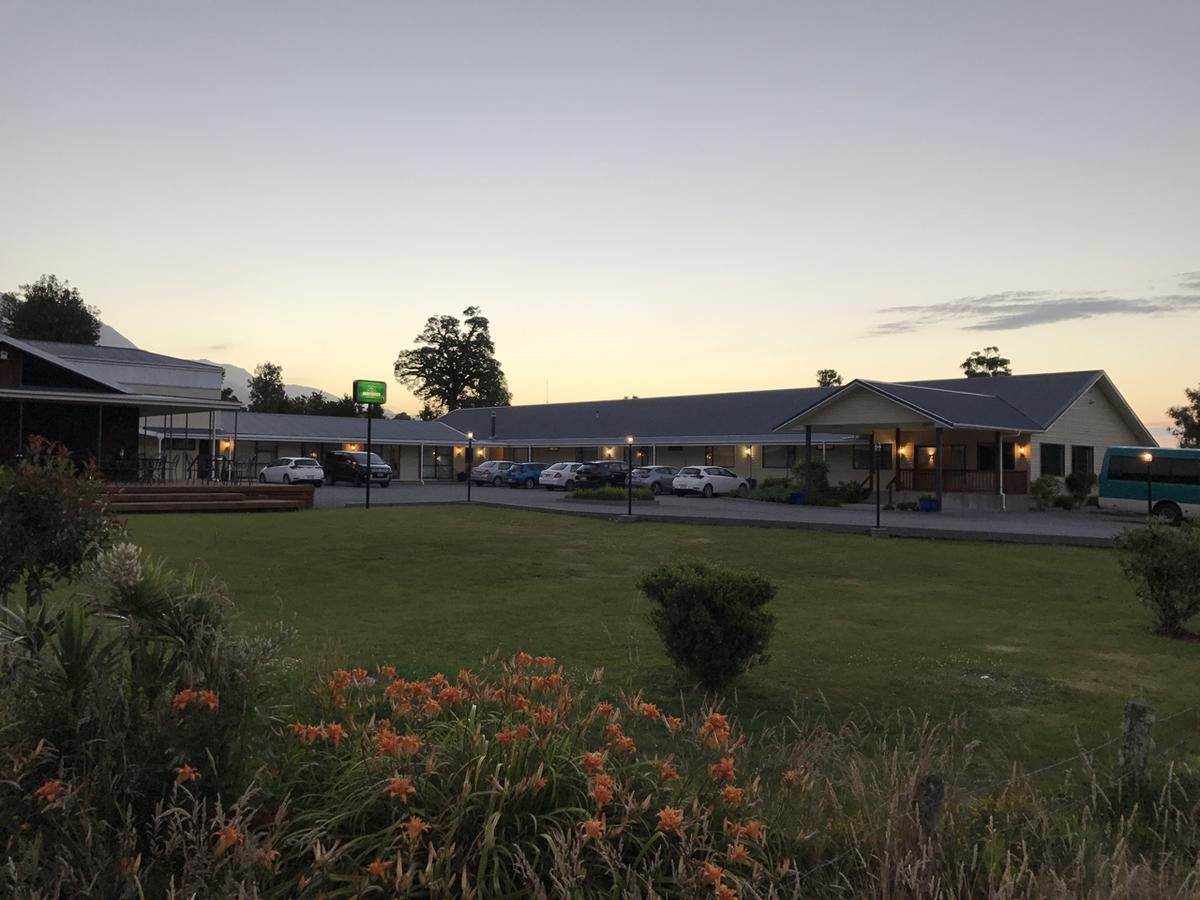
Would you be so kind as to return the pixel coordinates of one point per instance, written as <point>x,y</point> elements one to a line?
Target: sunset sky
<point>645,198</point>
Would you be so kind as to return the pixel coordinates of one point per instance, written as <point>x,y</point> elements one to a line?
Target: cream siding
<point>860,409</point>
<point>1093,420</point>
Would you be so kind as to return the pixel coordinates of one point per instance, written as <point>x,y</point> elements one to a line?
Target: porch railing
<point>955,481</point>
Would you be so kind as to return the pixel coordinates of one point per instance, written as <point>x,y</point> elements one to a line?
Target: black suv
<point>344,465</point>
<point>600,473</point>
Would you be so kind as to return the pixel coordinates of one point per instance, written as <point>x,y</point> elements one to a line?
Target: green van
<point>1159,480</point>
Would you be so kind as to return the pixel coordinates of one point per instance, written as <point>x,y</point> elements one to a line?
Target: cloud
<point>1014,310</point>
<point>219,347</point>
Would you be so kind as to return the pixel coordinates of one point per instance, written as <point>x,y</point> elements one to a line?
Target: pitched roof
<point>337,429</point>
<point>1028,403</point>
<point>98,353</point>
<point>741,417</point>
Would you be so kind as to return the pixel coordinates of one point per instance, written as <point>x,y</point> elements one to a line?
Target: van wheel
<point>1168,512</point>
<point>708,491</point>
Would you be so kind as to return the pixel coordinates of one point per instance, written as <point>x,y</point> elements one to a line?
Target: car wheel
<point>655,488</point>
<point>262,478</point>
<point>708,491</point>
<point>358,481</point>
<point>287,479</point>
<point>497,481</point>
<point>385,482</point>
<point>569,486</point>
<point>677,493</point>
<point>331,481</point>
<point>1168,512</point>
<point>530,483</point>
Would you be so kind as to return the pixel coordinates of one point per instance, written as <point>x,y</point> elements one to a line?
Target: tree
<point>828,378</point>
<point>228,394</point>
<point>49,310</point>
<point>455,367</point>
<point>986,363</point>
<point>1187,419</point>
<point>266,390</point>
<point>402,416</point>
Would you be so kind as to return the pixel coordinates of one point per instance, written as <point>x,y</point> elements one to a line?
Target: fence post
<point>1135,746</point>
<point>929,799</point>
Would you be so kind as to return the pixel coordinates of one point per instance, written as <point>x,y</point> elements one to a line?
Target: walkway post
<point>999,465</point>
<point>629,474</point>
<point>937,473</point>
<point>807,463</point>
<point>878,486</point>
<point>467,461</point>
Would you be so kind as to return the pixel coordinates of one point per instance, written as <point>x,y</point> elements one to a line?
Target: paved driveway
<point>1090,527</point>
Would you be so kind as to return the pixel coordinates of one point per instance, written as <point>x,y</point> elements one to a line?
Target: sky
<point>644,198</point>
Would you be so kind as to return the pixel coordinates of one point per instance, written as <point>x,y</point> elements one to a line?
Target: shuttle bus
<point>1158,480</point>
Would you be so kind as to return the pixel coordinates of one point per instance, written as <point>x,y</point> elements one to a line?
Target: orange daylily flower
<point>593,829</point>
<point>49,791</point>
<point>601,790</point>
<point>546,662</point>
<point>603,711</point>
<point>711,873</point>
<point>437,681</point>
<point>668,772</point>
<point>732,795</point>
<point>388,672</point>
<point>755,830</point>
<point>334,732</point>
<point>183,699</point>
<point>399,788</point>
<point>186,773</point>
<point>521,732</point>
<point>670,819</point>
<point>726,893</point>
<point>537,682</point>
<point>649,711</point>
<point>738,854</point>
<point>522,660</point>
<point>207,698</point>
<point>593,761</point>
<point>227,837</point>
<point>415,827</point>
<point>715,730</point>
<point>794,778</point>
<point>431,707</point>
<point>265,859</point>
<point>379,868</point>
<point>408,744</point>
<point>624,744</point>
<point>723,770</point>
<point>504,737</point>
<point>451,695</point>
<point>360,674</point>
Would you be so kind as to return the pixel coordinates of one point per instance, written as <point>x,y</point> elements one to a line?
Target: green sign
<point>370,391</point>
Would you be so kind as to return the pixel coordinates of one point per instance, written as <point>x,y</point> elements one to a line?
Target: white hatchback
<point>706,481</point>
<point>293,470</point>
<point>559,475</point>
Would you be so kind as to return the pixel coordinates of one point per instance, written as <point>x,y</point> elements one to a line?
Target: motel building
<point>974,443</point>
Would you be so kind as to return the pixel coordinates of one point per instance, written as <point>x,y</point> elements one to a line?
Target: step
<point>172,497</point>
<point>151,506</point>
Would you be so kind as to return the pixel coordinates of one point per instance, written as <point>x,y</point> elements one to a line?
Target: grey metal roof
<point>958,409</point>
<point>748,415</point>
<point>337,429</point>
<point>1041,398</point>
<point>97,353</point>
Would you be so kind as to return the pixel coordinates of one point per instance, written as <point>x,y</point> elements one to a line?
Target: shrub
<point>851,492</point>
<point>908,506</point>
<point>610,494</point>
<point>712,622</point>
<point>1065,501</point>
<point>52,519</point>
<point>820,475</point>
<point>1164,565</point>
<point>1044,490</point>
<point>1079,486</point>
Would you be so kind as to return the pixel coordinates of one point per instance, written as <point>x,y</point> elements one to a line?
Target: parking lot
<point>1088,527</point>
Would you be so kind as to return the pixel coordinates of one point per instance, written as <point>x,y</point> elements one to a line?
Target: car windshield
<point>557,467</point>
<point>641,471</point>
<point>689,471</point>
<point>305,461</point>
<point>362,458</point>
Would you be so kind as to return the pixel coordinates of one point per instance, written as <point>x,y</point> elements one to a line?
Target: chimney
<point>493,425</point>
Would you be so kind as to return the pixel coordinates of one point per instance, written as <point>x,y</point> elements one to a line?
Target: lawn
<point>1031,644</point>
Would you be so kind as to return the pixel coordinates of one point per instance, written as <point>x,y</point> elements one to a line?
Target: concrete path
<point>1081,527</point>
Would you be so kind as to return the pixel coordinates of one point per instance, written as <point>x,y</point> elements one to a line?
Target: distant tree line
<point>267,395</point>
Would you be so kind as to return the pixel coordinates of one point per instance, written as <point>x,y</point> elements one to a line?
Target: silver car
<point>491,472</point>
<point>656,479</point>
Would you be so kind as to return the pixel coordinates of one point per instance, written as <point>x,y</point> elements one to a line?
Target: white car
<point>559,475</point>
<point>293,470</point>
<point>706,481</point>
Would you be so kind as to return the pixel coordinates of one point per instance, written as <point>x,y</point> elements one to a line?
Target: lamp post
<point>878,491</point>
<point>1148,458</point>
<point>467,461</point>
<point>629,474</point>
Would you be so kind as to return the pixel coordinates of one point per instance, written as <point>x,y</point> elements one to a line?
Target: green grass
<point>862,622</point>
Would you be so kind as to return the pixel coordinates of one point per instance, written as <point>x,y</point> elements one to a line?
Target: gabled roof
<point>98,353</point>
<point>749,415</point>
<point>1014,403</point>
<point>44,350</point>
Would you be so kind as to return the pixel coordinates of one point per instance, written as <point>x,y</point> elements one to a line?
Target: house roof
<point>98,354</point>
<point>337,429</point>
<point>1017,403</point>
<point>741,417</point>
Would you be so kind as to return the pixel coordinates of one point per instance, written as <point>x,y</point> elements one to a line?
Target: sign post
<point>370,394</point>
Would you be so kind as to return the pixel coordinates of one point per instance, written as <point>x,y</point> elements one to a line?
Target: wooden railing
<point>956,481</point>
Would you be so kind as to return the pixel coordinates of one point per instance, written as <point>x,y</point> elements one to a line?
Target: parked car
<point>524,475</point>
<point>655,479</point>
<point>559,475</point>
<point>292,470</point>
<point>346,465</point>
<point>706,481</point>
<point>601,473</point>
<point>491,471</point>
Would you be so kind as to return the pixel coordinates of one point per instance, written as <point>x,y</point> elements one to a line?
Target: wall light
<point>350,447</point>
<point>748,452</point>
<point>608,451</point>
<point>902,451</point>
<point>457,452</point>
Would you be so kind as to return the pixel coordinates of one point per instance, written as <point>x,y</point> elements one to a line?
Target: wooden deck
<point>209,498</point>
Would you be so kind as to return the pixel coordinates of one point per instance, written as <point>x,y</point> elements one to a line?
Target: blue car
<point>525,475</point>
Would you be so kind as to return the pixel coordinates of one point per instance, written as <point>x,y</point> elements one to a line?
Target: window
<point>956,457</point>
<point>1127,468</point>
<point>708,455</point>
<point>861,456</point>
<point>178,444</point>
<point>1082,458</point>
<point>1053,459</point>
<point>778,457</point>
<point>985,457</point>
<point>723,456</point>
<point>1181,471</point>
